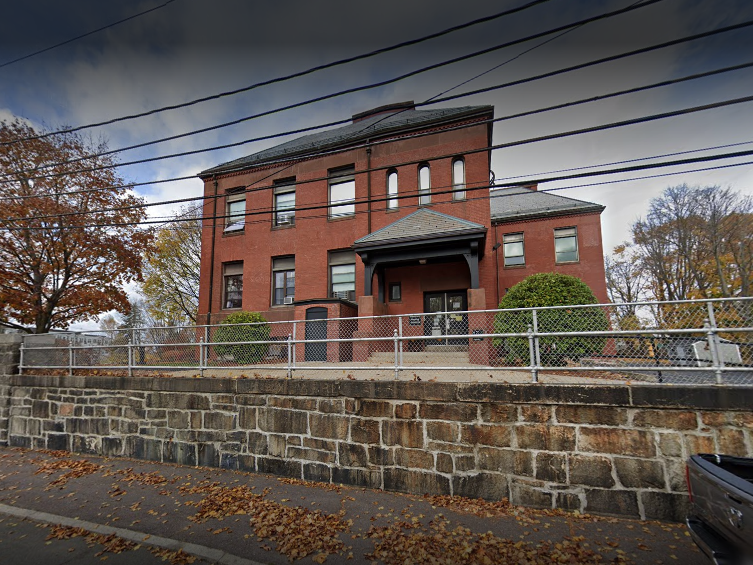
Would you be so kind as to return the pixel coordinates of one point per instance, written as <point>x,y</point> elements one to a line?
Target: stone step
<point>441,358</point>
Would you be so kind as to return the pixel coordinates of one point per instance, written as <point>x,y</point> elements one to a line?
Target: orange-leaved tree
<point>69,230</point>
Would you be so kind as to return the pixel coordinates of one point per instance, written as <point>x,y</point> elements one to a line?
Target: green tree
<point>243,327</point>
<point>550,289</point>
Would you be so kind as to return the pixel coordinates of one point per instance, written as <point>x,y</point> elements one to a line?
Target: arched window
<point>458,179</point>
<point>424,185</point>
<point>392,190</point>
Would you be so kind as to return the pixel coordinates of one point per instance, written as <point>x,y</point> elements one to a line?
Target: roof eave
<point>474,233</point>
<point>596,208</point>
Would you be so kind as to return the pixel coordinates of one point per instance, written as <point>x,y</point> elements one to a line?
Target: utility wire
<point>282,78</point>
<point>560,106</point>
<point>426,69</point>
<point>87,34</point>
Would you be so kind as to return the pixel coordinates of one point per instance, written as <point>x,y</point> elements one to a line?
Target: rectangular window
<point>458,179</point>
<point>232,285</point>
<point>284,203</point>
<point>424,185</point>
<point>235,211</point>
<point>342,193</point>
<point>566,245</point>
<point>514,249</point>
<point>283,280</point>
<point>395,292</point>
<point>392,190</point>
<point>342,275</point>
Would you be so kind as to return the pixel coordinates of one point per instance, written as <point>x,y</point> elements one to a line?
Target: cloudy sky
<point>188,49</point>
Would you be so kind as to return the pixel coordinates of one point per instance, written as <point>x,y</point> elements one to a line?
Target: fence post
<point>21,357</point>
<point>400,333</point>
<point>395,338</point>
<point>295,336</point>
<point>290,355</point>
<point>713,347</point>
<point>130,352</point>
<point>532,356</point>
<point>70,354</point>
<point>201,356</point>
<point>536,345</point>
<point>205,347</point>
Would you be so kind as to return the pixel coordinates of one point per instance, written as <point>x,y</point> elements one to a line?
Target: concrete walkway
<point>221,516</point>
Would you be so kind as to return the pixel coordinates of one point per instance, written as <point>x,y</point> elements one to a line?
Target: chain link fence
<point>701,341</point>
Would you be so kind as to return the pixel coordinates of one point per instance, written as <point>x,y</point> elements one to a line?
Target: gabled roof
<point>422,224</point>
<point>519,202</point>
<point>377,125</point>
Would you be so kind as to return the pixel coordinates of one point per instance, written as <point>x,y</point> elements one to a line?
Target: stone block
<point>352,455</point>
<point>321,444</point>
<point>247,463</point>
<point>545,437</point>
<point>277,445</point>
<point>715,419</point>
<point>444,463</point>
<point>459,412</point>
<point>357,477</point>
<point>364,431</point>
<point>406,433</point>
<point>406,411</point>
<point>57,442</point>
<point>180,453</point>
<point>229,461</point>
<point>731,441</point>
<point>489,486</point>
<point>178,401</point>
<point>670,444</point>
<point>540,414</point>
<point>667,419</point>
<point>595,415</point>
<point>620,441</point>
<point>374,409</point>
<point>329,426</point>
<point>414,458</point>
<point>499,413</point>
<point>143,448</point>
<point>331,405</point>
<point>19,441</point>
<point>55,426</point>
<point>282,421</point>
<point>282,467</point>
<point>219,420</point>
<point>317,472</point>
<point>442,431</point>
<point>743,420</point>
<point>568,501</point>
<point>257,443</point>
<point>551,467</point>
<point>614,502</point>
<point>464,463</point>
<point>640,473</point>
<point>591,471</point>
<point>415,482</point>
<point>667,506</point>
<point>294,403</point>
<point>380,456</point>
<point>207,455</point>
<point>676,475</point>
<point>508,461</point>
<point>526,495</point>
<point>178,419</point>
<point>40,409</point>
<point>485,434</point>
<point>699,444</point>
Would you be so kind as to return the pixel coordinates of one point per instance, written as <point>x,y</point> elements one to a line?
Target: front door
<point>316,328</point>
<point>441,319</point>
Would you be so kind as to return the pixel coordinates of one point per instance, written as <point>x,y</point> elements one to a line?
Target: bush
<point>550,289</point>
<point>231,330</point>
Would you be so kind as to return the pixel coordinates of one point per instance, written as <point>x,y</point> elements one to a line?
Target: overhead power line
<point>284,78</point>
<point>560,106</point>
<point>420,71</point>
<point>87,34</point>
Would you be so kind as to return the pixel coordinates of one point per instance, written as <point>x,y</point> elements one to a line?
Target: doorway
<point>440,319</point>
<point>316,328</point>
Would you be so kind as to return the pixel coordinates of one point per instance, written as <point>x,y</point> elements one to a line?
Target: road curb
<point>210,554</point>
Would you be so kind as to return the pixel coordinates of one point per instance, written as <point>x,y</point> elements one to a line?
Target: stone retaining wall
<point>603,449</point>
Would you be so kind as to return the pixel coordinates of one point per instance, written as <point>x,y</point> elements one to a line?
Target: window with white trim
<point>284,204</point>
<point>424,185</point>
<point>392,190</point>
<point>283,280</point>
<point>232,285</point>
<point>514,250</point>
<point>342,192</point>
<point>566,245</point>
<point>235,211</point>
<point>458,179</point>
<point>342,274</point>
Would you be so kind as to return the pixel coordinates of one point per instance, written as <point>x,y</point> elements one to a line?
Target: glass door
<point>441,318</point>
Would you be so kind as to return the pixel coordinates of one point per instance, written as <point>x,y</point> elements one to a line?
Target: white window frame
<point>342,207</point>
<point>284,216</point>
<point>511,239</point>
<point>342,259</point>
<point>424,185</point>
<point>232,271</point>
<point>458,184</point>
<point>235,221</point>
<point>282,265</point>
<point>392,188</point>
<point>570,232</point>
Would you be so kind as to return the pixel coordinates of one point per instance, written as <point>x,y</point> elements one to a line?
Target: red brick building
<point>390,214</point>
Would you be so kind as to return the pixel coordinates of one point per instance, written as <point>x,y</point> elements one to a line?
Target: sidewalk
<point>219,516</point>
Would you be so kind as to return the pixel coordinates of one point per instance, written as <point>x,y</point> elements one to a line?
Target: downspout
<point>368,186</point>
<point>211,253</point>
<point>496,263</point>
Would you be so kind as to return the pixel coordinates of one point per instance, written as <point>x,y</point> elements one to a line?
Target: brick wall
<point>603,449</point>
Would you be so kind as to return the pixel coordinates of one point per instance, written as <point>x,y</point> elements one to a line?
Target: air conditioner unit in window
<point>288,300</point>
<point>285,220</point>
